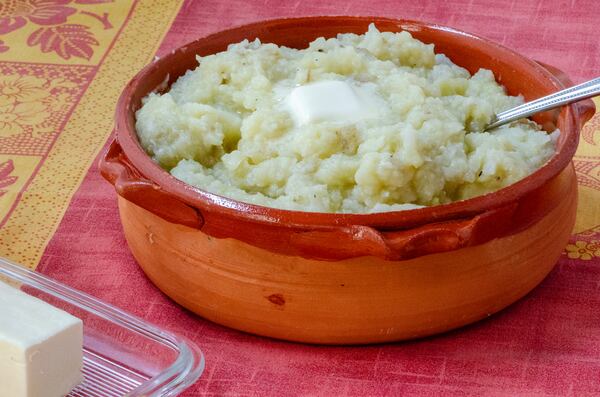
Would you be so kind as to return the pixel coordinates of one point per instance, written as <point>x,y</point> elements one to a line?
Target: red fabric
<point>546,344</point>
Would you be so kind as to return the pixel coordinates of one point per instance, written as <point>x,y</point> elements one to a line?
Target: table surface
<point>546,344</point>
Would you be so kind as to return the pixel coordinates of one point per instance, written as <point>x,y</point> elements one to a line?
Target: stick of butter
<point>41,347</point>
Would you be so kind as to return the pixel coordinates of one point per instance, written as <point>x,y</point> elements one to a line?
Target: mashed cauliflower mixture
<point>225,128</point>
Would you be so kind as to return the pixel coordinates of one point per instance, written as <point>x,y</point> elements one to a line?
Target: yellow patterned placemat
<point>587,165</point>
<point>63,64</point>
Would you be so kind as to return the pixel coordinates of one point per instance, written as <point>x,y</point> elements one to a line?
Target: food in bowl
<point>353,124</point>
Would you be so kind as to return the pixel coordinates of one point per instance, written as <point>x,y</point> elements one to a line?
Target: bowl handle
<point>358,240</point>
<point>451,235</point>
<point>116,168</point>
<point>585,109</point>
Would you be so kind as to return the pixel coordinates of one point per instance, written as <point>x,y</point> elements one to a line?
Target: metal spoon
<point>569,95</point>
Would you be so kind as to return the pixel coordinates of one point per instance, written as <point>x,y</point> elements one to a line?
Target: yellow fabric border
<point>39,212</point>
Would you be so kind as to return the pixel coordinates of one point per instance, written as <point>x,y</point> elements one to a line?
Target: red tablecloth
<point>546,344</point>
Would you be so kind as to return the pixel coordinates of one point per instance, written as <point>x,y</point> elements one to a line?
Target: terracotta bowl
<point>346,278</point>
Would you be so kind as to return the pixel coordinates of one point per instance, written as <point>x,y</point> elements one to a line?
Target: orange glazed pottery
<point>346,278</point>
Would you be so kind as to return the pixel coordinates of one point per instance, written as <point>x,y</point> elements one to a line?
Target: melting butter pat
<point>41,347</point>
<point>333,101</point>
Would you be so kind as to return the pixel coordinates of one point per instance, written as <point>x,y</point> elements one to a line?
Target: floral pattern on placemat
<point>63,64</point>
<point>6,179</point>
<point>34,102</point>
<point>59,31</point>
<point>584,246</point>
<point>587,158</point>
<point>67,40</point>
<point>14,14</point>
<point>591,130</point>
<point>583,250</point>
<point>588,171</point>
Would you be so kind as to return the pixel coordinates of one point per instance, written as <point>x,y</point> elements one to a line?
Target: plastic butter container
<point>122,355</point>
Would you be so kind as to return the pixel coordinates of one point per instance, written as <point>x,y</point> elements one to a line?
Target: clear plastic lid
<point>123,355</point>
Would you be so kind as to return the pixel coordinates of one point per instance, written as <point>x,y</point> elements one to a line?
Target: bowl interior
<point>520,76</point>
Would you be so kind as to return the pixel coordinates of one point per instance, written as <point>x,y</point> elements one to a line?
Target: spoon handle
<point>569,95</point>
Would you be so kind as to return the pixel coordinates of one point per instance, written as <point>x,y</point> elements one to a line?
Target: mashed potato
<point>223,127</point>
